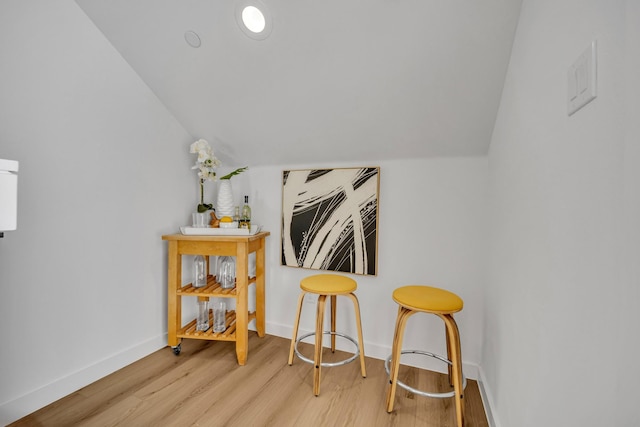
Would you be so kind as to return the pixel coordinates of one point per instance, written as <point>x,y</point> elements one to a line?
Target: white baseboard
<point>487,400</point>
<point>30,402</point>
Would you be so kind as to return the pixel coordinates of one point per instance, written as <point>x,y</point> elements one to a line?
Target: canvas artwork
<point>330,219</point>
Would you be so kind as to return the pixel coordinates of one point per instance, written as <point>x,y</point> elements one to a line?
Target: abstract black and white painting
<point>330,219</point>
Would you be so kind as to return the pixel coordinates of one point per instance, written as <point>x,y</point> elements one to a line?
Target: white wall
<point>628,369</point>
<point>431,224</point>
<point>104,171</point>
<point>560,305</point>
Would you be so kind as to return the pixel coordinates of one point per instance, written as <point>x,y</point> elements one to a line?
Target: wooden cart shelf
<point>237,322</point>
<point>229,334</point>
<point>211,289</point>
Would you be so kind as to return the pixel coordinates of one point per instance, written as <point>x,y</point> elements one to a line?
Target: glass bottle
<point>245,218</point>
<point>199,272</point>
<point>227,272</point>
<point>236,216</point>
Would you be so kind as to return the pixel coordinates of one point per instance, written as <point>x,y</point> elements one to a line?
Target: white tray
<point>193,231</point>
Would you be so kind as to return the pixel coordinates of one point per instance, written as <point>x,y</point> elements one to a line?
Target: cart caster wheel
<point>176,349</point>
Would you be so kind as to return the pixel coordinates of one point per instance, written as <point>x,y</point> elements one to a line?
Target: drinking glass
<point>219,316</point>
<point>202,322</point>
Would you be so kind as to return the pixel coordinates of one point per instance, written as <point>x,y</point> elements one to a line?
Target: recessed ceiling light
<point>192,38</point>
<point>253,18</point>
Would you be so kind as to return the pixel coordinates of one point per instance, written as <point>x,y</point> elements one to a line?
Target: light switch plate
<point>582,80</point>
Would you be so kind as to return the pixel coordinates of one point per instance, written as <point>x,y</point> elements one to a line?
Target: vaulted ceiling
<point>336,80</point>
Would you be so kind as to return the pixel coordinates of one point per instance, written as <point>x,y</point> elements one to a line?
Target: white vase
<point>224,205</point>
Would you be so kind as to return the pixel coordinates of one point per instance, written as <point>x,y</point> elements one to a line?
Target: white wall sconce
<point>8,195</point>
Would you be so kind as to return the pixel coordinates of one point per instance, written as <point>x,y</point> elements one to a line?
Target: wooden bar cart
<point>237,321</point>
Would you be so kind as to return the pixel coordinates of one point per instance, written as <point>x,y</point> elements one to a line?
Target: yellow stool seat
<point>332,286</point>
<point>427,298</point>
<point>328,284</point>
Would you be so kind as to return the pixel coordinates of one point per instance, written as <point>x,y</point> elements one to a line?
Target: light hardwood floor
<point>204,386</point>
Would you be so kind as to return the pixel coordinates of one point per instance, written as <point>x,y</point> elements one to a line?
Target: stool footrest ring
<point>420,392</point>
<point>328,364</point>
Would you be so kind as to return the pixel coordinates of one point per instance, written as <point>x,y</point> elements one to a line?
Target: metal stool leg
<point>295,327</point>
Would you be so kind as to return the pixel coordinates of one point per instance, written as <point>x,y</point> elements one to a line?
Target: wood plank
<point>205,386</point>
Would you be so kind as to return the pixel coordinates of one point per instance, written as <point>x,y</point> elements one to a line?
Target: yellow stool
<point>425,299</point>
<point>327,285</point>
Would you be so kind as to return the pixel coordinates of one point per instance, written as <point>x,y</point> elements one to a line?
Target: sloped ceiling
<point>337,80</point>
